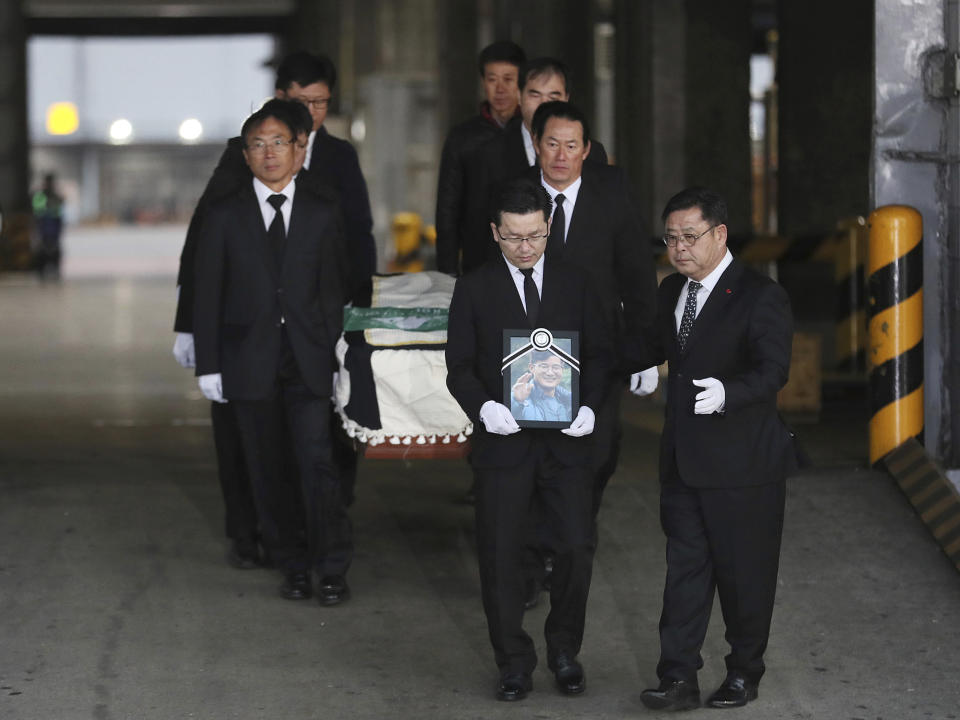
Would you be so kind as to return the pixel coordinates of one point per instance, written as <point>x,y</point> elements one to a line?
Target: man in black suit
<point>595,225</point>
<point>726,332</point>
<point>511,153</point>
<point>499,65</point>
<point>240,515</point>
<point>271,271</point>
<point>525,289</point>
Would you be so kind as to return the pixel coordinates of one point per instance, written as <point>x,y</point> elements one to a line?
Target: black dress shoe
<point>569,675</point>
<point>514,686</point>
<point>296,586</point>
<point>244,555</point>
<point>531,593</point>
<point>333,590</point>
<point>736,691</point>
<point>672,695</point>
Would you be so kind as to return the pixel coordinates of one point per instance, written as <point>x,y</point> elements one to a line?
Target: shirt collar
<point>537,268</point>
<point>711,280</point>
<point>569,194</point>
<point>263,192</point>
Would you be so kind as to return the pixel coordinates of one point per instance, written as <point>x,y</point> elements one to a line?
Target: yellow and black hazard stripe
<point>930,492</point>
<point>895,312</point>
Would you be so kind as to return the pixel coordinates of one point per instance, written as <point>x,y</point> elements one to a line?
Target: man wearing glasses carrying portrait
<point>526,288</point>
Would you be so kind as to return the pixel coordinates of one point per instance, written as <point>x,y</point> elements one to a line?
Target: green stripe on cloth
<point>395,318</point>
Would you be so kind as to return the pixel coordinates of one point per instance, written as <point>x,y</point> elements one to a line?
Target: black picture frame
<point>527,352</point>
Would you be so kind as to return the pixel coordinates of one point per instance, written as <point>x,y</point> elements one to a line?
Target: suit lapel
<point>298,223</point>
<point>673,284</point>
<point>716,303</point>
<point>515,154</point>
<point>506,288</point>
<point>580,221</point>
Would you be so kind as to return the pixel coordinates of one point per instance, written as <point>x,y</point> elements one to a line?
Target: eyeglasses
<point>515,241</point>
<point>688,239</point>
<point>259,147</point>
<point>315,103</point>
<point>555,369</point>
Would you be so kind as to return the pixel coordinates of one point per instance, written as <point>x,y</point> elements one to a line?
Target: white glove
<point>212,387</point>
<point>183,350</point>
<point>496,418</point>
<point>712,398</point>
<point>644,382</point>
<point>582,424</point>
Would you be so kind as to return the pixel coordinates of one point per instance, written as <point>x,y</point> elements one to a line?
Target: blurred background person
<point>48,223</point>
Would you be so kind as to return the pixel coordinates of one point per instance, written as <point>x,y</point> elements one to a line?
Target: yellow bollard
<point>406,233</point>
<point>895,312</point>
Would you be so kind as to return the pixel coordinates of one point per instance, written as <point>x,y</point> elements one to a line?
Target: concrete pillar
<point>558,28</point>
<point>649,99</point>
<point>825,79</point>
<point>717,89</point>
<point>682,101</point>
<point>318,26</point>
<point>14,140</point>
<point>457,48</point>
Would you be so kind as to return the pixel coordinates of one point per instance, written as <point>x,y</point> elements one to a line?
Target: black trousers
<point>606,442</point>
<point>723,540</point>
<point>293,408</point>
<point>503,500</point>
<point>240,512</point>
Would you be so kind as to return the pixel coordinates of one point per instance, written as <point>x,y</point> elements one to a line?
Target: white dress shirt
<point>528,145</point>
<point>266,209</point>
<point>707,286</point>
<point>569,201</point>
<point>306,161</point>
<point>518,278</point>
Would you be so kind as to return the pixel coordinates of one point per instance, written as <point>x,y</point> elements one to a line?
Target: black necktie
<point>558,229</point>
<point>530,296</point>
<point>276,233</point>
<point>689,313</point>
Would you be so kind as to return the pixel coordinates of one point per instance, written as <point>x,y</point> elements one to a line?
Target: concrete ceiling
<point>155,8</point>
<point>156,17</point>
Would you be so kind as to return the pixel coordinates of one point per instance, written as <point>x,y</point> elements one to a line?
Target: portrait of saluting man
<point>540,394</point>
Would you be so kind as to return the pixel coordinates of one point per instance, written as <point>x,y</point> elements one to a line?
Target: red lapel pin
<point>729,291</point>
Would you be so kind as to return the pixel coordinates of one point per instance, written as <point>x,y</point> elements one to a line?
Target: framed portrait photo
<point>541,376</point>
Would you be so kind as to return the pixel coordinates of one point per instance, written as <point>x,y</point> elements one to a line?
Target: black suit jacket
<point>500,158</point>
<point>241,294</point>
<point>452,201</point>
<point>334,164</point>
<point>334,174</point>
<point>742,337</point>
<point>485,303</point>
<point>609,240</point>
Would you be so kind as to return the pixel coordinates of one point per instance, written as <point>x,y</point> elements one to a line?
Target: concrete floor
<point>116,602</point>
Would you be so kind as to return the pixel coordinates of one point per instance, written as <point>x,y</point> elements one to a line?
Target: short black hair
<point>501,51</point>
<point>283,110</point>
<point>304,69</point>
<point>521,196</point>
<point>539,355</point>
<point>301,119</point>
<point>711,204</point>
<point>559,109</point>
<point>545,66</point>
